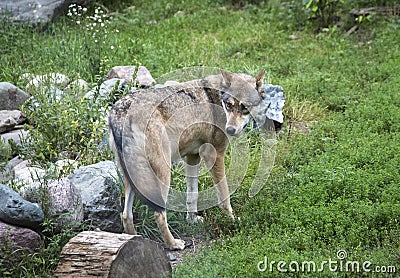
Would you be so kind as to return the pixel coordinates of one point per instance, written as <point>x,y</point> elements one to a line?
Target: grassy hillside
<point>335,185</point>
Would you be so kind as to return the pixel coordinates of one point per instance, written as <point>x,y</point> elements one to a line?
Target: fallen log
<point>104,254</point>
<point>387,10</point>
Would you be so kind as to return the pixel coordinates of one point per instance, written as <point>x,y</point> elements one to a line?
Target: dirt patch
<point>178,257</point>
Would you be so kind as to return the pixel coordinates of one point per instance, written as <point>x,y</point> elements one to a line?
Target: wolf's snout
<point>230,130</point>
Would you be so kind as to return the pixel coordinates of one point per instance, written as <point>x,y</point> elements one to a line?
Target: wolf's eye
<point>228,106</point>
<point>244,110</point>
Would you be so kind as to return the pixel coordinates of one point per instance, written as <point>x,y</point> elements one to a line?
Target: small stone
<point>10,118</point>
<point>107,88</point>
<point>144,77</point>
<point>51,80</point>
<point>171,257</point>
<point>25,174</point>
<point>122,72</point>
<point>16,135</point>
<point>78,84</point>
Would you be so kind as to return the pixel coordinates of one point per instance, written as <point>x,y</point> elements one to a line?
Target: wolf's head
<point>242,97</point>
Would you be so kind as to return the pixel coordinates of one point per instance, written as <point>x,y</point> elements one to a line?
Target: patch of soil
<point>178,257</point>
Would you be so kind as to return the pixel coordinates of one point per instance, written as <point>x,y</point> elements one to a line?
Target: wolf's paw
<point>231,216</point>
<point>177,244</point>
<point>130,230</point>
<point>193,218</point>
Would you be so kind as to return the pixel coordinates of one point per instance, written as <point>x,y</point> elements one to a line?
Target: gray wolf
<point>152,128</point>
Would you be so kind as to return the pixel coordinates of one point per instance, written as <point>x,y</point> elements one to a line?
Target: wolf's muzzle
<point>231,130</point>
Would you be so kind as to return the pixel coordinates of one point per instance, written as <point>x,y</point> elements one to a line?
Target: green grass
<point>333,188</point>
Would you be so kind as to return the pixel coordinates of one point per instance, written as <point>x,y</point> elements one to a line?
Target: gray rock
<point>25,174</point>
<point>17,211</point>
<point>78,85</point>
<point>15,240</point>
<point>100,193</point>
<point>122,72</point>
<point>54,82</point>
<point>16,135</point>
<point>167,83</point>
<point>35,11</point>
<point>274,97</point>
<point>9,119</point>
<point>61,199</point>
<point>144,77</point>
<point>107,88</point>
<point>7,174</point>
<point>11,97</point>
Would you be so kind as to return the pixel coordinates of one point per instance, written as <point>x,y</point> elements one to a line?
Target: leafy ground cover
<point>334,190</point>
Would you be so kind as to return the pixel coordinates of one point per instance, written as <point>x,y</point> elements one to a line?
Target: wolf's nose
<point>230,130</point>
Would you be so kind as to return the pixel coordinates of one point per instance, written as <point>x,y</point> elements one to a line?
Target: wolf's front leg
<point>221,186</point>
<point>170,241</point>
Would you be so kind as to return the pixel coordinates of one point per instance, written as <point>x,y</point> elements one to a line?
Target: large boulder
<point>61,199</point>
<point>11,97</point>
<point>16,240</point>
<point>35,11</point>
<point>18,211</point>
<point>98,186</point>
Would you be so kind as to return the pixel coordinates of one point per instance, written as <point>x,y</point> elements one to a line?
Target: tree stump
<point>104,254</point>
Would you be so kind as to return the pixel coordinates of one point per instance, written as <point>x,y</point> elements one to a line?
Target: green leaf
<point>308,4</point>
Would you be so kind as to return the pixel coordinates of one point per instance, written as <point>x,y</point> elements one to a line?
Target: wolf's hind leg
<point>172,243</point>
<point>127,215</point>
<point>192,182</point>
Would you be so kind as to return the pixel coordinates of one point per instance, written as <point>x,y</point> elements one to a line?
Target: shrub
<point>323,11</point>
<point>69,124</point>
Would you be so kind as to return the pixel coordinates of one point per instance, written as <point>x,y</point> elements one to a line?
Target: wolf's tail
<point>134,165</point>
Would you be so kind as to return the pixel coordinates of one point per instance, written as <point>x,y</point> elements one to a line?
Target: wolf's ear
<point>227,77</point>
<point>259,78</point>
